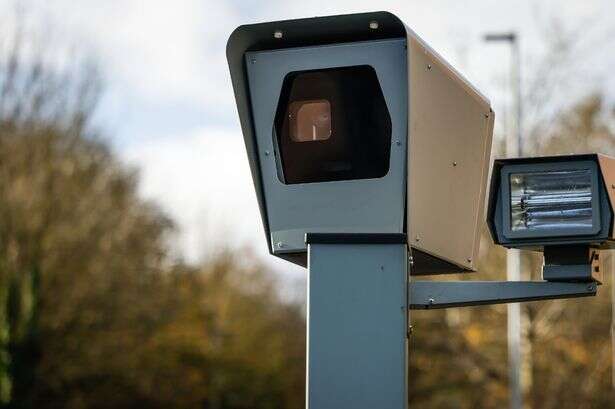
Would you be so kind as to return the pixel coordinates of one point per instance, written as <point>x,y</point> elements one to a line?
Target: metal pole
<point>513,273</point>
<point>516,68</point>
<point>357,326</point>
<point>514,140</point>
<point>514,148</point>
<point>519,348</point>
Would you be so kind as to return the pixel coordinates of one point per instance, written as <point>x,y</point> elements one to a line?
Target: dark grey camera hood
<point>295,33</point>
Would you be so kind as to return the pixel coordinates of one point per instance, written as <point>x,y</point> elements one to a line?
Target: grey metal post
<point>357,326</point>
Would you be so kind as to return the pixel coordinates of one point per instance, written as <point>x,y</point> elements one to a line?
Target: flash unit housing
<point>552,201</point>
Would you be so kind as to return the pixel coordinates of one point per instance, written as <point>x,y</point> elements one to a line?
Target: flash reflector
<point>554,199</point>
<point>551,200</point>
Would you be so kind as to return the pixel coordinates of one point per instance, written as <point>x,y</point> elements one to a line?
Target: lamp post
<point>514,145</point>
<point>514,148</point>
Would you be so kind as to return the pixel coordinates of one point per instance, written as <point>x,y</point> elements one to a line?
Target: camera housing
<point>353,124</point>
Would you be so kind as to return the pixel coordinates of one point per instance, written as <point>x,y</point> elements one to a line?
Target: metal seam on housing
<point>355,238</point>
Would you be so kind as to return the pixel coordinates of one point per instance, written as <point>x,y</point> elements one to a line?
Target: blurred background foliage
<point>458,356</point>
<point>95,313</point>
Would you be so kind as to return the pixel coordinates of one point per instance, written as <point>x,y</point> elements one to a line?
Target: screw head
<point>429,66</point>
<point>431,301</point>
<point>278,34</point>
<point>280,244</point>
<point>266,153</point>
<point>454,163</point>
<point>373,25</point>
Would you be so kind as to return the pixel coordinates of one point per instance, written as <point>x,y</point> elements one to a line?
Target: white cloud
<point>154,49</point>
<point>203,181</point>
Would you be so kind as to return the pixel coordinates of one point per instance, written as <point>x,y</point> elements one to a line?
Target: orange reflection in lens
<point>310,120</point>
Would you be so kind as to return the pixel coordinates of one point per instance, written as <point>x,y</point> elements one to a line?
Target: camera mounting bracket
<point>566,263</point>
<point>448,294</point>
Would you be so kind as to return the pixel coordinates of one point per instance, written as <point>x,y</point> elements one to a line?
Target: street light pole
<point>514,147</point>
<point>514,141</point>
<point>516,69</point>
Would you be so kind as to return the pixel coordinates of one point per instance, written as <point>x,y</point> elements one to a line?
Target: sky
<point>169,111</point>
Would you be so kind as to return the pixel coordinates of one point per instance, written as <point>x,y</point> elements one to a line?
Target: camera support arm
<point>447,294</point>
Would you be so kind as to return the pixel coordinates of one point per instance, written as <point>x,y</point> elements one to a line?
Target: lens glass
<point>310,120</point>
<point>553,200</point>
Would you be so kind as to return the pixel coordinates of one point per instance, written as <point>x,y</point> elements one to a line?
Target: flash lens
<point>551,200</point>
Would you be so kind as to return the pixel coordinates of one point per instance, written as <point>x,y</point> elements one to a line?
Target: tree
<point>93,312</point>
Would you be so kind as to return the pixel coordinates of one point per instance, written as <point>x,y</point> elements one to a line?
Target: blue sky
<point>169,109</point>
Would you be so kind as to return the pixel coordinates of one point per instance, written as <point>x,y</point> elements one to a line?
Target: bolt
<point>429,66</point>
<point>469,260</point>
<point>454,163</point>
<point>266,153</point>
<point>398,143</point>
<point>431,301</point>
<point>373,25</point>
<point>486,115</point>
<point>417,239</point>
<point>280,244</point>
<point>410,329</point>
<point>277,34</point>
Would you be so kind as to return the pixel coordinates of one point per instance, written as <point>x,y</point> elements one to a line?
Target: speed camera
<point>353,124</point>
<point>369,155</point>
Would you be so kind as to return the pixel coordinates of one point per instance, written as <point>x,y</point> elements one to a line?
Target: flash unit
<point>561,205</point>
